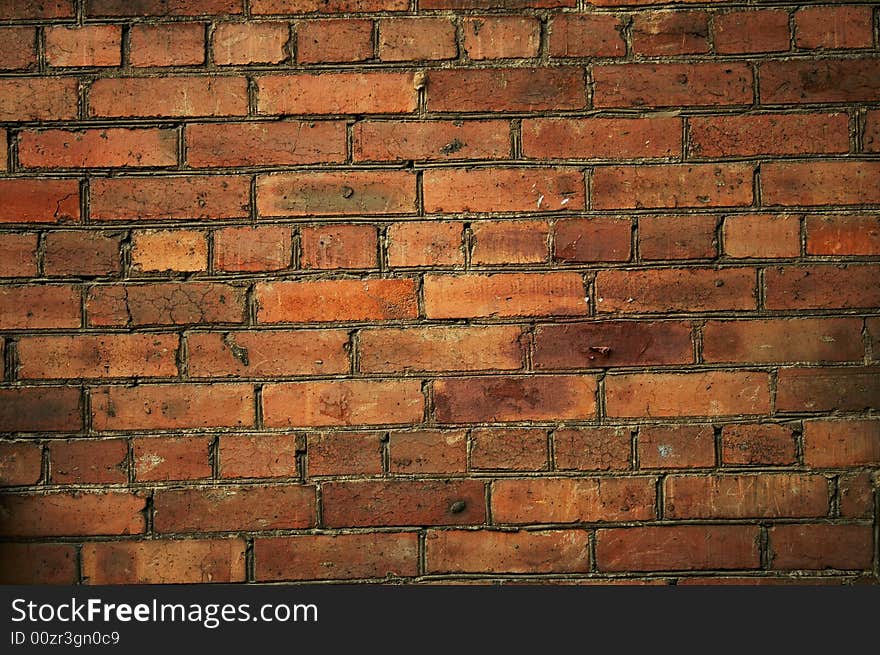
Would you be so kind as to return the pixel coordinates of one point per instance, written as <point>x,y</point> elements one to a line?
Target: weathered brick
<point>349,193</point>
<point>820,183</point>
<point>252,249</point>
<point>589,35</point>
<point>822,286</point>
<point>601,138</point>
<point>39,201</point>
<point>38,563</point>
<point>90,45</point>
<point>38,99</point>
<point>165,303</point>
<point>509,450</point>
<point>344,453</point>
<point>843,235</point>
<point>819,80</point>
<point>678,237</point>
<point>821,546</point>
<point>407,39</point>
<point>599,239</point>
<point>177,96</point>
<point>819,389</point>
<point>171,458</point>
<point>339,246</point>
<point>160,561</point>
<point>501,37</point>
<point>72,514</point>
<point>156,251</point>
<point>21,463</point>
<point>856,494</point>
<point>658,33</point>
<point>337,556</point>
<point>250,43</point>
<point>830,443</point>
<point>832,28</point>
<point>20,51</point>
<point>346,40</point>
<point>343,402</point>
<point>163,7</point>
<point>430,140</point>
<point>768,134</point>
<point>510,242</point>
<point>40,409</point>
<point>169,44</point>
<point>758,443</point>
<point>428,451</point>
<point>680,446</point>
<point>748,31</point>
<point>97,148</point>
<point>89,461</point>
<point>82,253</point>
<point>762,235</point>
<point>259,456</point>
<point>425,243</point>
<point>502,399</point>
<point>375,92</point>
<point>592,449</point>
<point>506,89</point>
<point>18,255</point>
<point>698,393</point>
<point>572,500</point>
<point>36,307</point>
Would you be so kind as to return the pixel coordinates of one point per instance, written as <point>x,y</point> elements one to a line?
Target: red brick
<point>503,399</point>
<point>765,495</point>
<point>97,148</point>
<point>172,407</point>
<point>856,494</point>
<point>678,237</point>
<point>680,547</point>
<point>592,449</point>
<point>165,303</point>
<point>428,451</point>
<point>162,561</point>
<point>90,45</point>
<point>509,450</point>
<point>830,443</point>
<point>267,353</point>
<point>40,409</point>
<point>34,10</point>
<point>407,39</point>
<point>783,340</point>
<point>675,290</point>
<point>501,37</point>
<point>572,500</point>
<point>672,85</point>
<point>21,463</point>
<point>41,564</point>
<point>82,253</point>
<point>750,31</point>
<point>698,393</point>
<point>336,300</point>
<point>821,546</point>
<point>253,249</point>
<point>39,307</point>
<point>319,41</point>
<point>768,134</point>
<point>251,43</point>
<point>660,33</point>
<point>38,99</point>
<point>601,138</point>
<point>599,239</point>
<point>510,242</point>
<point>221,509</point>
<point>20,50</point>
<point>39,201</point>
<point>154,251</point>
<point>163,7</point>
<point>18,255</point>
<point>374,92</point>
<point>189,197</point>
<point>169,44</point>
<point>171,458</point>
<point>169,96</point>
<point>483,551</point>
<point>872,326</point>
<point>337,556</point>
<point>430,140</point>
<point>72,514</point>
<point>453,348</point>
<point>590,35</point>
<point>767,444</point>
<point>261,456</point>
<point>843,235</point>
<point>345,453</point>
<point>89,461</point>
<point>493,4</point>
<point>617,343</point>
<point>404,502</point>
<point>871,135</point>
<point>679,446</point>
<point>820,183</point>
<point>504,294</point>
<point>819,389</point>
<point>97,356</point>
<point>762,235</point>
<point>343,402</point>
<point>213,145</point>
<point>676,185</point>
<point>818,80</point>
<point>506,89</point>
<point>425,243</point>
<point>339,246</point>
<point>832,28</point>
<point>822,286</point>
<point>326,6</point>
<point>333,193</point>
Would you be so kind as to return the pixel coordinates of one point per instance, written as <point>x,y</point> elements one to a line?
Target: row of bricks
<point>653,33</point>
<point>291,143</point>
<point>101,253</point>
<point>817,443</point>
<point>417,502</point>
<point>447,400</point>
<point>378,555</point>
<point>463,90</point>
<point>444,191</point>
<point>503,295</point>
<point>570,346</point>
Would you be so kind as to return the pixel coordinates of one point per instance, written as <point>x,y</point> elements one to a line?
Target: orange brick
<point>319,41</point>
<point>250,43</point>
<point>170,44</point>
<point>91,45</point>
<point>510,242</point>
<point>501,37</point>
<point>428,451</point>
<point>169,250</point>
<point>406,39</point>
<point>425,243</point>
<point>339,246</point>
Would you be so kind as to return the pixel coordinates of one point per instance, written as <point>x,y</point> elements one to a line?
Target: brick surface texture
<point>439,290</point>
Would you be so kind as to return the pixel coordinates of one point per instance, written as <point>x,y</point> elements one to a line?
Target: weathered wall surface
<point>441,289</point>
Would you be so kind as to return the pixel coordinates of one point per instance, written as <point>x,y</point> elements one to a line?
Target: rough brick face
<point>446,291</point>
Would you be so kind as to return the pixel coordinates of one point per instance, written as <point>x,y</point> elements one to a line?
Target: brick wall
<point>441,289</point>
